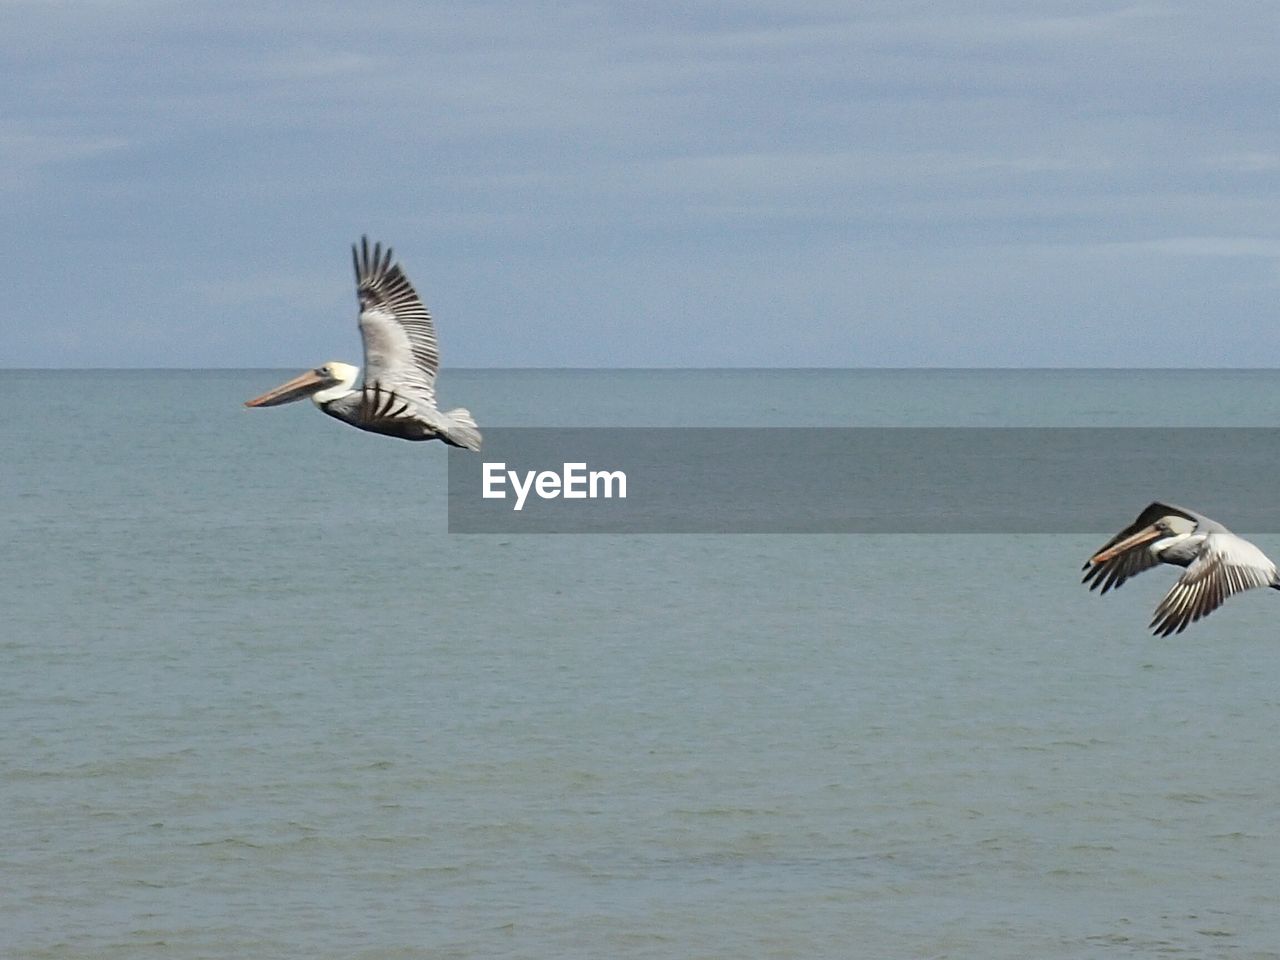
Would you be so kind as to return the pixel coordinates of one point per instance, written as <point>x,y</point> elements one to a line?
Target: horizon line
<point>667,369</point>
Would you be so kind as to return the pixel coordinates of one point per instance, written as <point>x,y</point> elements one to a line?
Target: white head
<point>326,382</point>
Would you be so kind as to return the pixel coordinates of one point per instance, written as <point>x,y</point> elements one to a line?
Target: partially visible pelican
<point>1218,563</point>
<point>398,395</point>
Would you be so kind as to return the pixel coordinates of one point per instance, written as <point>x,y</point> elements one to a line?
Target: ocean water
<point>256,702</point>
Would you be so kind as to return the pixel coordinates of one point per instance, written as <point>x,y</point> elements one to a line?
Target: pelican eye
<point>325,372</point>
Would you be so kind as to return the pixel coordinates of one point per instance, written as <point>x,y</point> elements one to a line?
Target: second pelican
<point>1218,563</point>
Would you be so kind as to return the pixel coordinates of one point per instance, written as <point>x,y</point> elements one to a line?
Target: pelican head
<point>326,382</point>
<point>1169,528</point>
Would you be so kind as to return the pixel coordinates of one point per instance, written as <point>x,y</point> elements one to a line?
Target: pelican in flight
<point>1218,563</point>
<point>398,395</point>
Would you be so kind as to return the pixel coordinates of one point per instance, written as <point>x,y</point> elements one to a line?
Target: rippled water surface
<point>255,702</point>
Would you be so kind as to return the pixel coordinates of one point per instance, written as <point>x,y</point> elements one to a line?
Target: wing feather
<point>400,349</point>
<point>1227,565</point>
<point>1112,573</point>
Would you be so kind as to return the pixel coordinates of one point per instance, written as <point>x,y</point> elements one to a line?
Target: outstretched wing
<point>400,351</point>
<point>1226,565</point>
<point>1114,572</point>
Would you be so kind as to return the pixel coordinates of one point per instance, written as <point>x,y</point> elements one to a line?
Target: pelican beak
<point>296,389</point>
<point>1145,535</point>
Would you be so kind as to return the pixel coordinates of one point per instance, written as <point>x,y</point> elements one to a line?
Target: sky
<point>770,183</point>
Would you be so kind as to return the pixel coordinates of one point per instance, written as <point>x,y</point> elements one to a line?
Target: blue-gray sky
<point>765,183</point>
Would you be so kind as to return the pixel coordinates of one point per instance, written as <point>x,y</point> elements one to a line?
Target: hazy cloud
<point>786,182</point>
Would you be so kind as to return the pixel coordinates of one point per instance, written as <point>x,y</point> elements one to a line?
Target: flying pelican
<point>398,395</point>
<point>1218,563</point>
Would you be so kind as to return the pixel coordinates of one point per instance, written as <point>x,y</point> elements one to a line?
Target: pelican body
<point>401,359</point>
<point>1218,563</point>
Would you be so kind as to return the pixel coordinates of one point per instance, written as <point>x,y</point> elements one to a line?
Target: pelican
<point>1218,563</point>
<point>398,395</point>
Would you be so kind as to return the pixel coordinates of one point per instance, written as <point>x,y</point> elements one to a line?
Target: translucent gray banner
<point>859,480</point>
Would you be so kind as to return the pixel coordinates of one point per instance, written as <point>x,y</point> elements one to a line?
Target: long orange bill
<point>1145,535</point>
<point>296,389</point>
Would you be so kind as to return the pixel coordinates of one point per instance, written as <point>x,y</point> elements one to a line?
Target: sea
<point>257,701</point>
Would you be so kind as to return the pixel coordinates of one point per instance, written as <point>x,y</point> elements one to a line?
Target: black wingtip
<point>371,264</point>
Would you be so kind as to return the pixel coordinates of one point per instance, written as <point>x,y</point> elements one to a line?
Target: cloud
<point>1267,247</point>
<point>27,153</point>
<point>597,165</point>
